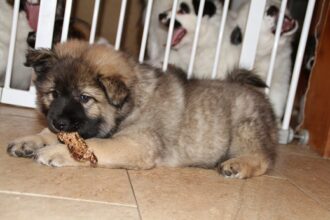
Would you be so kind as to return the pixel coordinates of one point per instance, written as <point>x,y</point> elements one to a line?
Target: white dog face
<point>268,28</point>
<point>186,18</point>
<point>289,27</point>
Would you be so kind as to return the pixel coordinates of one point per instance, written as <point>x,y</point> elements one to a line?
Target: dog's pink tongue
<point>178,34</point>
<point>32,11</point>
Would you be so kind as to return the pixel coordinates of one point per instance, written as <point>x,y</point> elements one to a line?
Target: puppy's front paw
<point>245,166</point>
<point>235,168</point>
<point>25,146</point>
<point>56,156</point>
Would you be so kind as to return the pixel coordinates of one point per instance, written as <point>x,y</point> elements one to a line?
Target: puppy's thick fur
<point>137,117</point>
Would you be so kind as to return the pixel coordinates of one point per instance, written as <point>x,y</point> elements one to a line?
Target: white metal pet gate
<point>46,26</point>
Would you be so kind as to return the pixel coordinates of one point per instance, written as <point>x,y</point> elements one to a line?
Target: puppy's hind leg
<point>251,152</point>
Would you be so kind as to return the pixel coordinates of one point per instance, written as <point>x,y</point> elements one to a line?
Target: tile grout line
<point>136,202</point>
<point>64,198</point>
<point>306,193</point>
<point>275,177</point>
<point>238,209</point>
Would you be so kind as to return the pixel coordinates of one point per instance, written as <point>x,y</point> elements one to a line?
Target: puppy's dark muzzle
<point>65,125</point>
<point>61,124</point>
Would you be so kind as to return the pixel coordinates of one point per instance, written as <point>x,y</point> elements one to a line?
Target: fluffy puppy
<point>136,117</point>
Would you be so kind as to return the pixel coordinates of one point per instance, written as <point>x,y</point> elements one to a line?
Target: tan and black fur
<point>143,118</point>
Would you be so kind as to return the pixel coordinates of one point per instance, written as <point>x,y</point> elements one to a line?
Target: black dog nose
<point>272,10</point>
<point>61,124</point>
<point>161,16</point>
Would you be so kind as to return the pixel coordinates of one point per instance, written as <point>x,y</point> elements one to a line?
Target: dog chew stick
<point>77,147</point>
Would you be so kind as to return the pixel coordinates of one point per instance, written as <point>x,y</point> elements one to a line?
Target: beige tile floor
<point>298,187</point>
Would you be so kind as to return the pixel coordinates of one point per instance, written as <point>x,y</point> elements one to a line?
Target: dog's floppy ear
<point>115,90</point>
<point>41,60</point>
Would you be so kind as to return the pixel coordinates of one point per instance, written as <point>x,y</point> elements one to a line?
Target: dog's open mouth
<point>179,32</point>
<point>289,25</point>
<point>178,35</point>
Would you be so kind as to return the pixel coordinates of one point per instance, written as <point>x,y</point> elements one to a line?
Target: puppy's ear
<point>41,60</point>
<point>115,90</point>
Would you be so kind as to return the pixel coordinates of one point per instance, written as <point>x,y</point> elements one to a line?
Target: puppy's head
<point>81,88</point>
<point>186,17</point>
<point>272,13</point>
<point>268,28</point>
<point>269,24</point>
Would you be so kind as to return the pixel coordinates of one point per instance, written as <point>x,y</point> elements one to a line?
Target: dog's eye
<point>84,98</point>
<point>272,11</point>
<point>54,94</point>
<point>184,9</point>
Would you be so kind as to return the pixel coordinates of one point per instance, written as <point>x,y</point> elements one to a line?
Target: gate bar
<point>169,36</point>
<point>196,37</point>
<point>120,24</point>
<point>66,22</point>
<point>11,51</point>
<point>276,42</point>
<point>94,21</point>
<point>145,31</point>
<point>251,36</point>
<point>220,37</point>
<point>298,63</point>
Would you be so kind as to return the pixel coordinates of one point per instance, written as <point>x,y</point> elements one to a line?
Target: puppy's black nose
<point>272,10</point>
<point>61,124</point>
<point>161,16</point>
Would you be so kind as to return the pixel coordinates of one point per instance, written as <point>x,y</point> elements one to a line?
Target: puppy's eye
<point>272,11</point>
<point>54,94</point>
<point>84,98</point>
<point>184,9</point>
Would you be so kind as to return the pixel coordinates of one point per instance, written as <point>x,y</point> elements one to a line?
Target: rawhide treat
<point>77,147</point>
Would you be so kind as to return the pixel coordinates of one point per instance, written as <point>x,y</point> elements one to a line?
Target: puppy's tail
<point>246,77</point>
